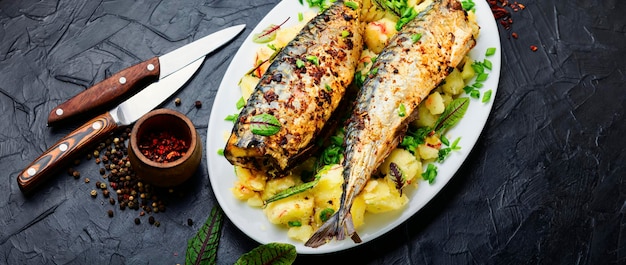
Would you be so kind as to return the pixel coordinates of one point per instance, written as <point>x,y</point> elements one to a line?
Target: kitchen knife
<point>132,79</point>
<point>98,128</point>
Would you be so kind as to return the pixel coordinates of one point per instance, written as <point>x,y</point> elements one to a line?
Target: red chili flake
<point>501,10</point>
<point>533,48</point>
<point>514,35</point>
<point>162,147</point>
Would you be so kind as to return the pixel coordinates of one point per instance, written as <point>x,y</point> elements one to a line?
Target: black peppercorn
<point>110,213</point>
<point>198,104</point>
<point>189,222</point>
<point>151,220</point>
<point>137,221</point>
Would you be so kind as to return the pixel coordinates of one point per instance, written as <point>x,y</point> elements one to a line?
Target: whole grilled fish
<point>301,88</point>
<point>407,71</point>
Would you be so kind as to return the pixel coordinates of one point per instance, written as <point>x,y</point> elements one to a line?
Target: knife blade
<point>98,128</point>
<point>127,82</point>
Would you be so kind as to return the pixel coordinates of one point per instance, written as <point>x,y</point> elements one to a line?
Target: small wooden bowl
<point>165,174</point>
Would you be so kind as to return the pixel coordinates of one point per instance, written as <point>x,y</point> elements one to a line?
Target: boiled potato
<point>381,195</point>
<point>327,192</point>
<point>454,83</point>
<point>430,148</point>
<point>358,211</point>
<point>252,179</point>
<point>434,103</point>
<point>467,72</point>
<point>425,117</point>
<point>409,165</point>
<point>276,185</point>
<point>378,33</point>
<point>261,58</point>
<point>301,233</point>
<point>247,85</point>
<point>298,207</point>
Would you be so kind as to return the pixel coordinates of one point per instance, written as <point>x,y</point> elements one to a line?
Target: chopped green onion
<point>482,77</point>
<point>300,16</point>
<point>313,59</point>
<point>299,63</point>
<point>490,51</point>
<point>487,96</point>
<point>478,85</point>
<point>374,71</point>
<point>294,223</point>
<point>475,94</point>
<point>401,110</point>
<point>326,214</point>
<point>487,64</point>
<point>345,34</point>
<point>232,117</point>
<point>416,37</point>
<point>430,173</point>
<point>240,103</point>
<point>220,151</point>
<point>328,88</point>
<point>352,5</point>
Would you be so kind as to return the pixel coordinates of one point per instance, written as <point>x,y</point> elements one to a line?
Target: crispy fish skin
<point>302,98</point>
<point>406,73</point>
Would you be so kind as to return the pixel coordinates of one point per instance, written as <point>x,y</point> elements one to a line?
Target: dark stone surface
<point>544,184</point>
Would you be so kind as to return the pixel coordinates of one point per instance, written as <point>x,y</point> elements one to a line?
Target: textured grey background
<point>544,185</point>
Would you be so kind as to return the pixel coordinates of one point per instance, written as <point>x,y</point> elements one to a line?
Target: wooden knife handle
<point>106,94</point>
<point>65,150</point>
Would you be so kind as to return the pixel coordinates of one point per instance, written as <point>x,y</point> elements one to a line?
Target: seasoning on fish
<point>406,73</point>
<point>301,90</point>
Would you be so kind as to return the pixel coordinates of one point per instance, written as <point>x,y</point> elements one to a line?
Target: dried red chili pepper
<point>162,147</point>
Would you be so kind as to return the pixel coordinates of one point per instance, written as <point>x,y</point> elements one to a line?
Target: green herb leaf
<point>467,5</point>
<point>264,124</point>
<point>294,190</point>
<point>345,34</point>
<point>452,114</point>
<point>328,88</point>
<point>202,248</point>
<point>490,51</point>
<point>269,254</point>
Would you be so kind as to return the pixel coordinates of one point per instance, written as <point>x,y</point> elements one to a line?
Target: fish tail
<point>335,227</point>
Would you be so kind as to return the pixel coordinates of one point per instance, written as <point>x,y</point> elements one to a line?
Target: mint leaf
<point>202,248</point>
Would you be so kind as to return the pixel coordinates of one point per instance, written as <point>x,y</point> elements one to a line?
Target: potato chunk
<point>409,165</point>
<point>298,207</point>
<point>378,33</point>
<point>381,195</point>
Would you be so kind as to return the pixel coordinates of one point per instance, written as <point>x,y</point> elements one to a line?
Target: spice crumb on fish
<point>406,72</point>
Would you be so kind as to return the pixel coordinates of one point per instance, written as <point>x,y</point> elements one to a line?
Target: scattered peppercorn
<point>151,220</point>
<point>157,223</point>
<point>177,101</point>
<point>198,104</point>
<point>112,201</point>
<point>94,193</point>
<point>105,193</point>
<point>110,212</point>
<point>137,221</point>
<point>76,174</point>
<point>189,222</point>
<point>86,180</point>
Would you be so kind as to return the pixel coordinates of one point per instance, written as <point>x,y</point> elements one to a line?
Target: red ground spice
<point>162,147</point>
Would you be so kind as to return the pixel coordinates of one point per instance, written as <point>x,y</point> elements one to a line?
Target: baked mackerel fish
<point>407,71</point>
<point>301,88</point>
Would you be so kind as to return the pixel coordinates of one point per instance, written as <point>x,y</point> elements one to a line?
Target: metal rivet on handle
<point>150,67</point>
<point>122,80</point>
<point>59,112</point>
<point>31,171</point>
<point>63,147</point>
<point>96,125</point>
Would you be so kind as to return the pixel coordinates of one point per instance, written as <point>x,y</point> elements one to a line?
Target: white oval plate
<point>253,222</point>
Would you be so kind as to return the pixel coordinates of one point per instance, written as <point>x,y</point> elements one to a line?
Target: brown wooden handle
<point>106,94</point>
<point>65,150</point>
